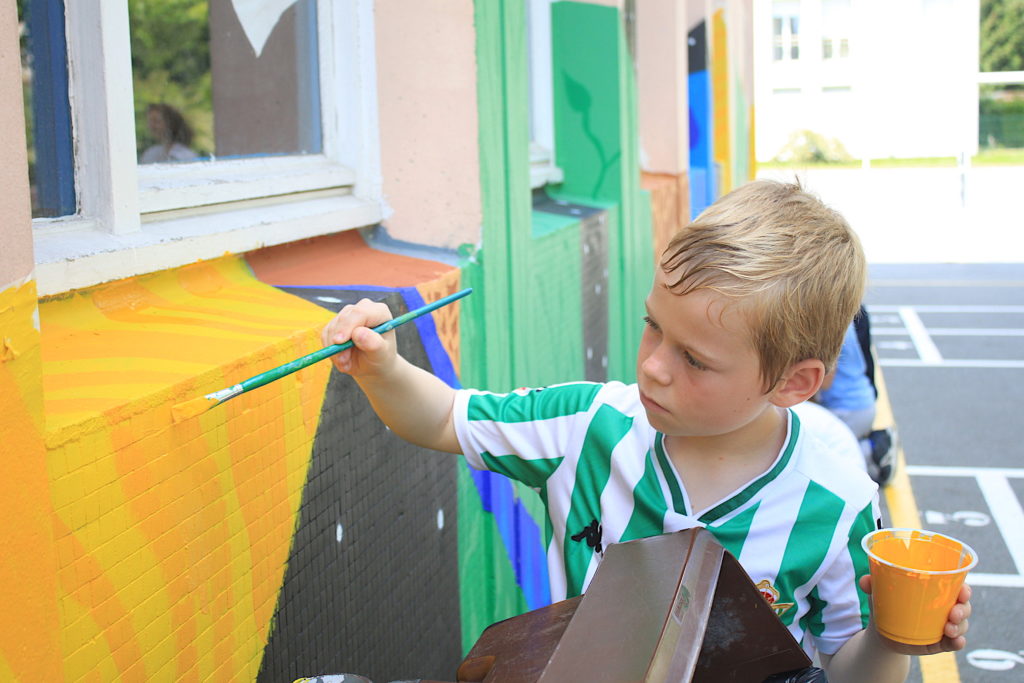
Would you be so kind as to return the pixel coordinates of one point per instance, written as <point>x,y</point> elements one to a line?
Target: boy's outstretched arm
<point>413,403</point>
<point>868,656</point>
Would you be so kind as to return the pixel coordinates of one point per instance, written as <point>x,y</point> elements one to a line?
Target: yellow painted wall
<point>721,114</point>
<point>144,549</point>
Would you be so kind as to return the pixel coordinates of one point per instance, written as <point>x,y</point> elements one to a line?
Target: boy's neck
<point>713,466</point>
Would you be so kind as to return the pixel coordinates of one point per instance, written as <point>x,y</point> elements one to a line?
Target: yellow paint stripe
<point>903,512</point>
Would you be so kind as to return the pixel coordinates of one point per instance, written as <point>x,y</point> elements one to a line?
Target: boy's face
<point>698,372</point>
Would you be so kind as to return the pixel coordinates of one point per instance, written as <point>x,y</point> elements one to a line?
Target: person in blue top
<point>850,394</point>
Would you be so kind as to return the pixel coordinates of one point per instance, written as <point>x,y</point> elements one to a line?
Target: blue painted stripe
<point>519,533</point>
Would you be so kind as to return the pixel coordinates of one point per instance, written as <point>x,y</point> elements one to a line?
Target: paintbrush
<point>200,405</point>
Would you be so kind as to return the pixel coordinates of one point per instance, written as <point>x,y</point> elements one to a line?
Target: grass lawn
<point>986,157</point>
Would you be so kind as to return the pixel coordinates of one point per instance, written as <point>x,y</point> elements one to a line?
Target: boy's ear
<point>799,383</point>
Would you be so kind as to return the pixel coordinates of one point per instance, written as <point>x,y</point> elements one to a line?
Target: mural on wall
<point>283,533</point>
<point>372,581</point>
<point>172,538</point>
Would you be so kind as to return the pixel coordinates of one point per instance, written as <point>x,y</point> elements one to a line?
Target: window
<point>835,23</point>
<point>785,32</point>
<point>208,126</point>
<point>542,115</point>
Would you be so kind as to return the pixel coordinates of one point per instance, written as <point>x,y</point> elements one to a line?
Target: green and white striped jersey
<point>604,476</point>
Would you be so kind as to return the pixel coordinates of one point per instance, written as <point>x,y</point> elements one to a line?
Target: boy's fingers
<point>366,339</point>
<point>954,631</point>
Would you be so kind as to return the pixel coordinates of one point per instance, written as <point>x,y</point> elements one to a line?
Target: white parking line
<point>926,349</point>
<point>954,331</point>
<point>949,363</point>
<point>1006,510</point>
<point>942,308</point>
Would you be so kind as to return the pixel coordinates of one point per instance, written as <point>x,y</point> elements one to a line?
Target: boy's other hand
<point>952,636</point>
<point>372,353</point>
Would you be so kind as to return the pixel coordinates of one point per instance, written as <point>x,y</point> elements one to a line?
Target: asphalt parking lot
<point>950,343</point>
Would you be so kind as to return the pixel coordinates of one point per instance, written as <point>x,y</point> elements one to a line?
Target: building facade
<point>880,79</point>
<point>540,152</point>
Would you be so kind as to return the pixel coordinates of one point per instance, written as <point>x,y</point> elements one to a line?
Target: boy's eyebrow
<point>700,353</point>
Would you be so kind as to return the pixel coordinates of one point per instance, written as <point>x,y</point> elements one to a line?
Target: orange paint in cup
<point>915,579</point>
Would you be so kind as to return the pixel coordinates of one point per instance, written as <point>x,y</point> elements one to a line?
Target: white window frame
<point>133,220</point>
<point>543,169</point>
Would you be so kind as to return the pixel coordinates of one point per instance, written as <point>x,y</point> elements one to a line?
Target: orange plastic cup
<point>915,579</point>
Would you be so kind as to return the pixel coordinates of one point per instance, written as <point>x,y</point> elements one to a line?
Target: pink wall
<point>426,80</point>
<point>16,260</point>
<point>661,28</point>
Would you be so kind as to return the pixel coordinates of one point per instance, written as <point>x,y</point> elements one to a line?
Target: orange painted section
<point>29,614</point>
<point>340,259</point>
<point>670,206</point>
<point>345,259</point>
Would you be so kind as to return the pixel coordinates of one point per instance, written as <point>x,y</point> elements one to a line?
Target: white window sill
<point>164,187</point>
<point>73,254</point>
<point>542,168</point>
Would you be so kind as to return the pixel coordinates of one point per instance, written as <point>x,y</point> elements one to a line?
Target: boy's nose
<point>655,369</point>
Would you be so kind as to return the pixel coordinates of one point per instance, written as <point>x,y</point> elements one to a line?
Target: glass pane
<point>44,68</point>
<point>215,83</point>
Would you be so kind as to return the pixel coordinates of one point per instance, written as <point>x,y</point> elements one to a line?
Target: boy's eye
<point>694,362</point>
<point>650,323</point>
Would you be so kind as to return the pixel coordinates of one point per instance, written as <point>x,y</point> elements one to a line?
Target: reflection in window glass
<point>212,82</point>
<point>44,69</point>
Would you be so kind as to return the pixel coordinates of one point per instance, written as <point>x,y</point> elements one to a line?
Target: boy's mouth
<point>651,404</point>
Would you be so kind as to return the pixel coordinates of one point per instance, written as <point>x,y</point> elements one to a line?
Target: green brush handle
<point>328,351</point>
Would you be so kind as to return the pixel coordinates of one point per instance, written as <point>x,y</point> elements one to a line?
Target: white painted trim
<point>177,186</point>
<point>103,116</point>
<point>67,261</point>
<point>349,77</point>
<point>542,108</point>
<point>542,167</point>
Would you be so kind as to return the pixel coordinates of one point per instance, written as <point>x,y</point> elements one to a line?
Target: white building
<point>885,78</point>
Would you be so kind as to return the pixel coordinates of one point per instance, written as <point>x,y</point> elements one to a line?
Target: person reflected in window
<point>172,133</point>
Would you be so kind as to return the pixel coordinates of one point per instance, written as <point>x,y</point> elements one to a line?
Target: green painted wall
<point>596,138</point>
<point>524,323</point>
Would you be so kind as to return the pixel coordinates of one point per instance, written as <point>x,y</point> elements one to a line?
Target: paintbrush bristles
<point>193,408</point>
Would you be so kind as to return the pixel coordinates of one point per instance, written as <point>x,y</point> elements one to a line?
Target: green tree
<point>1002,35</point>
<point>170,42</point>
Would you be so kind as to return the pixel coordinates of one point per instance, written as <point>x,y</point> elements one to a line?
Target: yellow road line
<point>903,512</point>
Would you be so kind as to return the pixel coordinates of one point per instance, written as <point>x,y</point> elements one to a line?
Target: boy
<point>745,317</point>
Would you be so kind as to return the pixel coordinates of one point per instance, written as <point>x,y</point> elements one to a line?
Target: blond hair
<point>793,265</point>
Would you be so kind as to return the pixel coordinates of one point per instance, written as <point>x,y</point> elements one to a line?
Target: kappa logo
<point>592,535</point>
<point>771,596</point>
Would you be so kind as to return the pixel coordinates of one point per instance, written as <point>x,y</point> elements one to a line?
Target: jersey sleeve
<point>839,608</point>
<point>525,434</point>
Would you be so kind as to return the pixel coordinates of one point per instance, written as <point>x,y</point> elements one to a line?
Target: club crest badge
<point>771,596</point>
